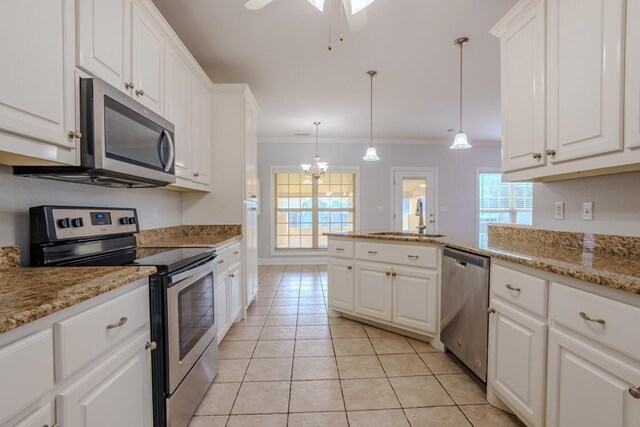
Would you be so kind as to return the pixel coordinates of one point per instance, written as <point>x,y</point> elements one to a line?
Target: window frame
<point>477,190</point>
<point>273,208</point>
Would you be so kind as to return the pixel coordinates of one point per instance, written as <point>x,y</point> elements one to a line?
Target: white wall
<point>616,204</point>
<point>456,178</point>
<point>18,194</point>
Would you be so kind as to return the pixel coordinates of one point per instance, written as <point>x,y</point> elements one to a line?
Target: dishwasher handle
<point>464,259</point>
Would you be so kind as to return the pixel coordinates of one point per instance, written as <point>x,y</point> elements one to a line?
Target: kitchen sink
<point>403,234</point>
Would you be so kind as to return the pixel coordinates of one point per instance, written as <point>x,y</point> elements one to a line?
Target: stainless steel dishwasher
<point>463,316</point>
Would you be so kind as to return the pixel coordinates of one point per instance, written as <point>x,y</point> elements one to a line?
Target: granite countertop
<point>189,236</point>
<point>600,259</point>
<point>28,294</point>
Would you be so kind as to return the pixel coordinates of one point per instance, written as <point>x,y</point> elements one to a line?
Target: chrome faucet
<point>420,213</point>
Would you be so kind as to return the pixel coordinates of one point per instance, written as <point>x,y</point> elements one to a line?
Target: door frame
<point>434,171</point>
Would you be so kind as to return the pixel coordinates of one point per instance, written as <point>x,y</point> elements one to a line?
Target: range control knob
<point>132,220</point>
<point>77,222</point>
<point>64,223</point>
<point>124,220</point>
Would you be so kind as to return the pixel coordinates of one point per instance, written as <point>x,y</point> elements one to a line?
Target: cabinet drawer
<point>340,248</point>
<point>26,372</point>
<point>418,256</point>
<point>233,254</point>
<point>222,256</point>
<point>618,326</point>
<point>89,335</point>
<point>524,290</point>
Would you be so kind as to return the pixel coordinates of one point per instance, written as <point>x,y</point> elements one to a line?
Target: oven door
<point>123,136</point>
<point>191,319</point>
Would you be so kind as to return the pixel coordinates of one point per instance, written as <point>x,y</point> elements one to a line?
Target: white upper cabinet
<point>201,131</point>
<point>37,88</point>
<point>632,105</point>
<point>178,110</point>
<point>147,61</point>
<point>104,40</point>
<point>585,77</point>
<point>522,50</point>
<point>250,150</point>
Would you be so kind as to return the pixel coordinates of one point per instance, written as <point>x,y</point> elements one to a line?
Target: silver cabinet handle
<point>236,252</point>
<point>537,156</point>
<point>589,319</point>
<point>71,134</point>
<point>232,275</point>
<point>373,252</point>
<point>221,261</point>
<point>394,274</point>
<point>139,92</point>
<point>196,174</point>
<point>634,392</point>
<point>388,273</point>
<point>349,267</point>
<point>432,221</point>
<point>339,249</point>
<point>253,209</point>
<point>413,256</point>
<point>77,134</point>
<point>121,322</point>
<point>512,288</point>
<point>128,85</point>
<point>491,310</point>
<point>551,153</point>
<point>150,345</point>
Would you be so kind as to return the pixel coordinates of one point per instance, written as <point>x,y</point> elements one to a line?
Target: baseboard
<point>295,260</point>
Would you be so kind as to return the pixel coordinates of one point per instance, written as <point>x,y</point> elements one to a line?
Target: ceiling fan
<point>354,10</point>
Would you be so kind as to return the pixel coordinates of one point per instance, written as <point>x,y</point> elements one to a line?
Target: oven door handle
<point>206,268</point>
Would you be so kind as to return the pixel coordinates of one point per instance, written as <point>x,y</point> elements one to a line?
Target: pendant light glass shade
<point>318,168</point>
<point>371,155</point>
<point>460,142</point>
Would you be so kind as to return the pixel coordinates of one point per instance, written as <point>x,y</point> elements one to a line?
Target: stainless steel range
<point>181,296</point>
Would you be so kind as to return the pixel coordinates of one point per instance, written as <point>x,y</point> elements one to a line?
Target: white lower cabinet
<point>220,302</point>
<point>340,278</point>
<point>235,291</point>
<point>517,355</point>
<point>374,290</point>
<point>588,387</point>
<point>228,292</point>
<point>415,294</point>
<point>117,392</point>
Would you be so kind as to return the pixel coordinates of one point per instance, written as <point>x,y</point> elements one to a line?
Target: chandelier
<point>318,168</point>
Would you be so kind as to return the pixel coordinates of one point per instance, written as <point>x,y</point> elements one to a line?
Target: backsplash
<point>162,234</point>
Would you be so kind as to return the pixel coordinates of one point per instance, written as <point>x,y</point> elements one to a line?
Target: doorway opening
<point>414,196</point>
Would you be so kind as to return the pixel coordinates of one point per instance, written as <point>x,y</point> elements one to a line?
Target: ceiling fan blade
<point>256,4</point>
<point>358,20</point>
<point>318,4</point>
<point>359,5</point>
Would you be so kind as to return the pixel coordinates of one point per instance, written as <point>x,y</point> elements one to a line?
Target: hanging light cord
<point>317,124</point>
<point>371,115</point>
<point>461,45</point>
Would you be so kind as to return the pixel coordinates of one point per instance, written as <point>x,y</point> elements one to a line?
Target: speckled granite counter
<point>28,294</point>
<point>189,236</point>
<point>612,261</point>
<point>9,258</point>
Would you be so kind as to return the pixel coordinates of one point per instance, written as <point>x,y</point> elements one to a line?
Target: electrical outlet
<point>558,212</point>
<point>587,211</point>
<point>154,214</point>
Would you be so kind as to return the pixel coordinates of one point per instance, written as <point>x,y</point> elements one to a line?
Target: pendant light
<point>371,155</point>
<point>318,168</point>
<point>460,142</point>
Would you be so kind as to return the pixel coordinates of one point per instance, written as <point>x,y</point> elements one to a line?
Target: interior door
<point>148,61</point>
<point>412,188</point>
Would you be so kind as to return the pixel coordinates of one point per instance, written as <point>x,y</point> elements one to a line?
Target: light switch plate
<point>587,211</point>
<point>558,211</point>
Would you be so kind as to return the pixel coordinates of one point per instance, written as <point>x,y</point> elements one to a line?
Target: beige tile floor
<point>291,363</point>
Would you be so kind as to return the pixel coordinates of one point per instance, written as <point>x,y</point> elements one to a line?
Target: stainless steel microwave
<point>122,143</point>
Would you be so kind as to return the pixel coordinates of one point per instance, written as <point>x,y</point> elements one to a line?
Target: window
<point>503,202</point>
<point>306,208</point>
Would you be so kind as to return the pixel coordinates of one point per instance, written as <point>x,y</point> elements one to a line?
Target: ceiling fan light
<point>371,155</point>
<point>358,5</point>
<point>460,142</point>
<point>318,4</point>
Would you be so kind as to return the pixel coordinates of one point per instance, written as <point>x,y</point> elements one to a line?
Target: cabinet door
<point>340,279</point>
<point>37,88</point>
<point>585,77</point>
<point>117,392</point>
<point>589,387</point>
<point>104,40</point>
<point>235,293</point>
<point>632,84</point>
<point>522,50</point>
<point>250,251</point>
<point>201,133</point>
<point>41,417</point>
<point>517,355</point>
<point>148,61</point>
<point>415,298</point>
<point>178,110</point>
<point>221,305</point>
<point>250,151</point>
<point>373,290</point>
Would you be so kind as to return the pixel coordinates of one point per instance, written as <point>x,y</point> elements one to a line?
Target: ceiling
<point>281,52</point>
